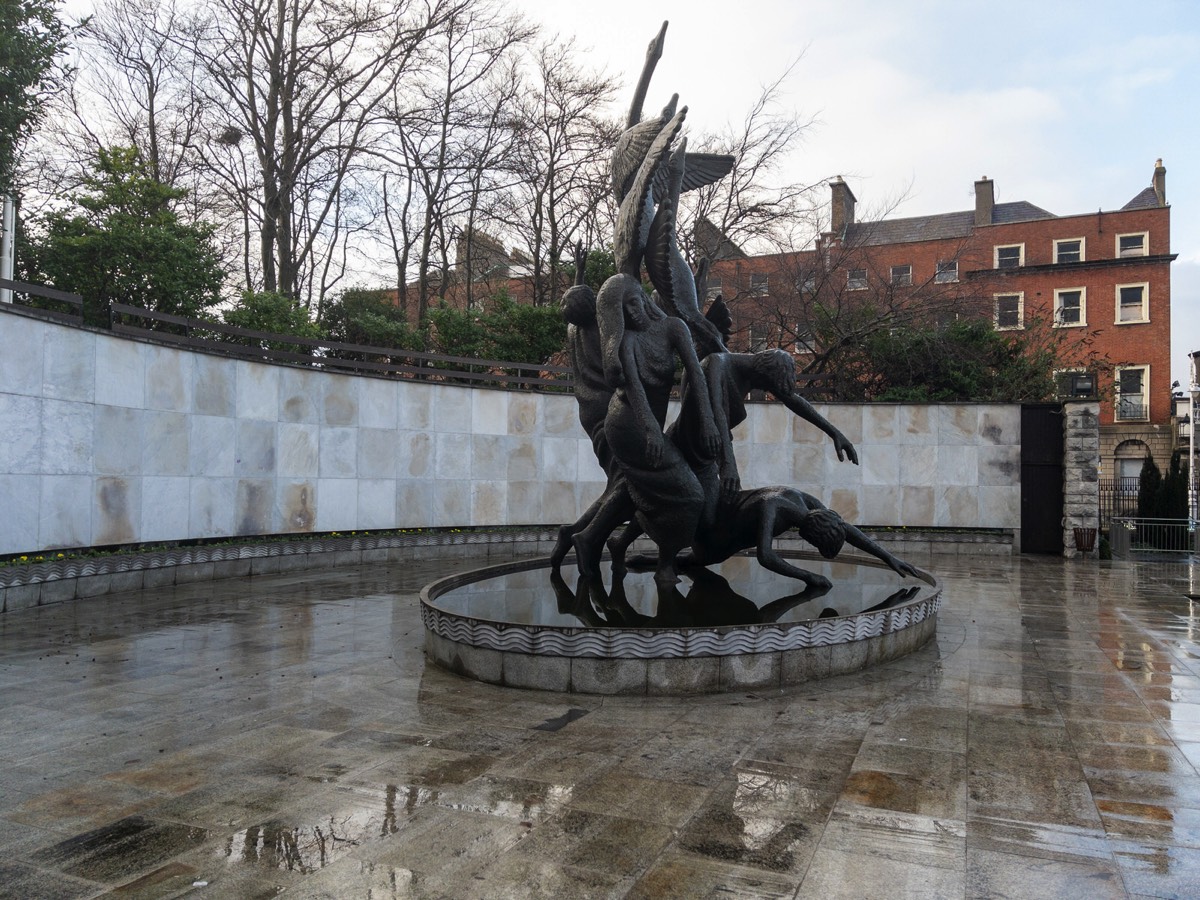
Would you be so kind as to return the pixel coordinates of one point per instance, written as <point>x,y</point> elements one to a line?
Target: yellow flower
<point>24,559</point>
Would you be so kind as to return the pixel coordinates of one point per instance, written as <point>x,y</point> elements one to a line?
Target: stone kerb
<point>111,440</point>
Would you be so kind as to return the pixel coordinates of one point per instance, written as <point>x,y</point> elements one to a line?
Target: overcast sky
<point>1064,104</point>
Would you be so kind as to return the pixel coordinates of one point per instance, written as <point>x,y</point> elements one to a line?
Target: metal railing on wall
<point>209,336</point>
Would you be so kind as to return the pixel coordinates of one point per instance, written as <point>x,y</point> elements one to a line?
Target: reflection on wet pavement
<point>282,736</point>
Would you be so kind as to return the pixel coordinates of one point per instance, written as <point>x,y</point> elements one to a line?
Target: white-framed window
<point>1134,244</point>
<point>1133,394</point>
<point>806,283</point>
<point>714,288</point>
<point>760,285</point>
<point>856,280</point>
<point>1009,311</point>
<point>1010,256</point>
<point>1133,303</point>
<point>1070,307</point>
<point>1069,250</point>
<point>947,271</point>
<point>760,337</point>
<point>902,275</point>
<point>805,342</point>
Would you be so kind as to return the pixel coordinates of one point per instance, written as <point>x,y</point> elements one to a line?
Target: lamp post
<point>1193,392</point>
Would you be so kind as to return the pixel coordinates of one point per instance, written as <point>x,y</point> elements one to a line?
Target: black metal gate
<point>1042,478</point>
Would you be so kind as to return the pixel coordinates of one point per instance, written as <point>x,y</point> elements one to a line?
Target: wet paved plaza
<point>282,735</point>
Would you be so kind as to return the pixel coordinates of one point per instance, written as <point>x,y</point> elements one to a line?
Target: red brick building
<point>1098,284</point>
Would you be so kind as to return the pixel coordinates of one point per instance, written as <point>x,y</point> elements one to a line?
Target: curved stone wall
<point>107,440</point>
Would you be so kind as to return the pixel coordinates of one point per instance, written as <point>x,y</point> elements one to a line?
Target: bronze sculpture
<point>679,485</point>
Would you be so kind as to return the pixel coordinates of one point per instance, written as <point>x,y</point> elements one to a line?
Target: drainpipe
<point>7,244</point>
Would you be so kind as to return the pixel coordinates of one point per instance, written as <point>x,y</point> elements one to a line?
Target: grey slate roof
<point>940,226</point>
<point>1146,199</point>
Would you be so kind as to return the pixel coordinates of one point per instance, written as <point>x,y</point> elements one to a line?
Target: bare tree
<point>299,84</point>
<point>560,167</point>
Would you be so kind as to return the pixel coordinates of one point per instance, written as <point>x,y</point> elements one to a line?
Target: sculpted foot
<point>586,557</point>
<point>561,546</point>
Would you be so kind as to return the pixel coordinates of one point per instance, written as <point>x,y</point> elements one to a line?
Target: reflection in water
<point>737,592</point>
<point>711,603</point>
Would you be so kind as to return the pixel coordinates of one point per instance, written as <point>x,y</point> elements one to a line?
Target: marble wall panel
<point>212,444</point>
<point>489,456</point>
<point>22,504</point>
<point>21,372</point>
<point>917,506</point>
<point>339,401</point>
<point>999,465</point>
<point>65,518</point>
<point>917,424</point>
<point>1000,425</point>
<point>337,504</point>
<point>338,452</point>
<point>957,464</point>
<point>588,467</point>
<point>999,507</point>
<point>295,505</point>
<point>169,379</point>
<point>165,437</point>
<point>114,511</point>
<point>377,406</point>
<point>120,372</point>
<point>69,364</point>
<point>523,463</point>
<point>414,503</point>
<point>20,434</point>
<point>67,437</point>
<point>256,456</point>
<point>452,410</point>
<point>299,396</point>
<point>957,506</point>
<point>525,502</point>
<point>254,506</point>
<point>489,502</point>
<point>846,418</point>
<point>451,502</point>
<point>213,386</point>
<point>880,465</point>
<point>561,501</point>
<point>376,502</point>
<point>414,406</point>
<point>916,465</point>
<point>524,413</point>
<point>376,453</point>
<point>560,414</point>
<point>880,505</point>
<point>117,440</point>
<point>166,508</point>
<point>256,390</point>
<point>767,426</point>
<point>560,459</point>
<point>846,502</point>
<point>880,423</point>
<point>296,450</point>
<point>958,423</point>
<point>416,454</point>
<point>489,412</point>
<point>453,456</point>
<point>211,506</point>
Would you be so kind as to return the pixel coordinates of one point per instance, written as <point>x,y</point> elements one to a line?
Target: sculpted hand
<point>845,449</point>
<point>654,448</point>
<point>731,485</point>
<point>711,439</point>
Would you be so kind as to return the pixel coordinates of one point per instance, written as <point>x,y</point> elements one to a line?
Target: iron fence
<point>1118,497</point>
<point>1140,538</point>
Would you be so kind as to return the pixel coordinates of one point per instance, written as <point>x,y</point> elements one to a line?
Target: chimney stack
<point>842,215</point>
<point>985,200</point>
<point>1160,182</point>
